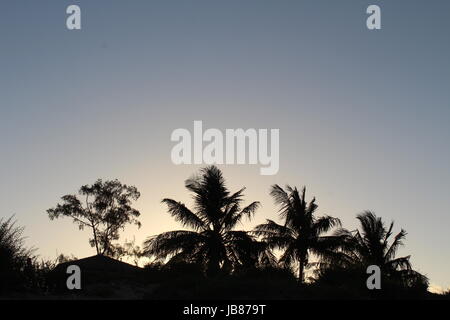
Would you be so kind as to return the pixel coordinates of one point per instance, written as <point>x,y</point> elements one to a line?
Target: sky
<point>363,115</point>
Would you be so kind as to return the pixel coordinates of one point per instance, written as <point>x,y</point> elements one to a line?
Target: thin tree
<point>103,207</point>
<point>301,233</point>
<point>211,241</point>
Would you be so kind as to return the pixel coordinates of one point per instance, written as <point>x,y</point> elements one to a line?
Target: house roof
<point>100,263</point>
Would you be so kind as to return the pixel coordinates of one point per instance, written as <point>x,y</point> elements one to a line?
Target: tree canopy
<point>105,207</point>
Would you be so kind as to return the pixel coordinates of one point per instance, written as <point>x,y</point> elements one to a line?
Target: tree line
<point>211,240</point>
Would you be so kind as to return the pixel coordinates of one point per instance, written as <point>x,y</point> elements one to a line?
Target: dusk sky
<point>363,115</point>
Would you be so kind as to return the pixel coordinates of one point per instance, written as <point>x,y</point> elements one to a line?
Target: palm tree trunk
<point>213,265</point>
<point>301,269</point>
<point>301,272</point>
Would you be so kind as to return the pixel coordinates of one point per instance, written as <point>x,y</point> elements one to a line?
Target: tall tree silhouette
<point>370,246</point>
<point>103,207</point>
<point>212,241</point>
<point>301,233</point>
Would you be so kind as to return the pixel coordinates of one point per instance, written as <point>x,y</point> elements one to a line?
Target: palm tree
<point>370,246</point>
<point>212,241</point>
<point>301,233</point>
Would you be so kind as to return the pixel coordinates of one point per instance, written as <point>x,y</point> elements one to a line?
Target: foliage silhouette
<point>301,233</point>
<point>104,207</point>
<point>129,250</point>
<point>14,254</point>
<point>370,246</point>
<point>211,259</point>
<point>212,241</point>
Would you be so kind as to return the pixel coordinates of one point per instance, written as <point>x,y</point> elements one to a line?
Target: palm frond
<point>325,223</point>
<point>171,243</point>
<point>182,214</point>
<point>396,243</point>
<point>270,228</point>
<point>402,263</point>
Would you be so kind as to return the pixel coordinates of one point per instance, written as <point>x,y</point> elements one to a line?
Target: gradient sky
<point>363,115</point>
